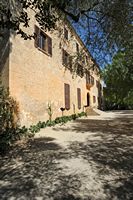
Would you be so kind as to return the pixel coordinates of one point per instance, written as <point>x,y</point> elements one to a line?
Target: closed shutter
<point>87,77</point>
<point>49,46</point>
<point>70,63</point>
<point>37,33</point>
<point>79,97</point>
<point>63,56</point>
<point>65,33</point>
<point>67,96</point>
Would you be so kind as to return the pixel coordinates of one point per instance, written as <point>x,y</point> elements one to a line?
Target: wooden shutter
<point>70,63</point>
<point>79,97</point>
<point>49,46</point>
<point>87,77</point>
<point>77,47</point>
<point>67,96</point>
<point>37,33</point>
<point>65,33</point>
<point>63,56</point>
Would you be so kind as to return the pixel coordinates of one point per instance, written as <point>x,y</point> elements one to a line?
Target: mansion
<point>54,70</point>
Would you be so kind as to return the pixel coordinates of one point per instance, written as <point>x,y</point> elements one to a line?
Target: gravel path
<point>88,159</point>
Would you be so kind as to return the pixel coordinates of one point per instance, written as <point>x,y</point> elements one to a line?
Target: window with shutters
<point>65,33</point>
<point>66,60</point>
<point>42,41</point>
<point>97,84</point>
<point>79,97</point>
<point>80,71</point>
<point>92,80</point>
<point>88,77</point>
<point>77,47</point>
<point>67,96</point>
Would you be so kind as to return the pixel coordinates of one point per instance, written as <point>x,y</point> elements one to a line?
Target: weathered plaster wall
<point>37,79</point>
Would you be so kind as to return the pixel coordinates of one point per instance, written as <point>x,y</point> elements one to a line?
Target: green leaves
<point>118,79</point>
<point>9,116</point>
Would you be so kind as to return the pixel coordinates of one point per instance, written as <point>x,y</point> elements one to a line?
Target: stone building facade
<point>53,70</point>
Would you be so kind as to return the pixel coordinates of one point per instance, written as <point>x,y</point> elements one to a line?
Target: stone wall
<point>37,79</point>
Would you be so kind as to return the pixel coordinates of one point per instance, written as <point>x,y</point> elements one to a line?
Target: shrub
<point>41,124</point>
<point>74,116</point>
<point>34,129</point>
<point>50,123</point>
<point>58,120</point>
<point>82,114</point>
<point>9,116</point>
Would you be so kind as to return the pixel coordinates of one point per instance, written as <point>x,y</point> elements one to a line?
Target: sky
<point>88,36</point>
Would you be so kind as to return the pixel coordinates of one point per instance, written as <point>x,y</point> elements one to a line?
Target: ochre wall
<point>37,79</point>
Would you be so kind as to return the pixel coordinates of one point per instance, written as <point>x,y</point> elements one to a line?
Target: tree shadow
<point>110,147</point>
<point>33,170</point>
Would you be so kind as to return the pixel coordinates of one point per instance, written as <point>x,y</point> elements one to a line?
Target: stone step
<point>91,112</point>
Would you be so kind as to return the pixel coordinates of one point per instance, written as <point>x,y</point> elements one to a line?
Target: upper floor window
<point>89,78</point>
<point>43,41</point>
<point>66,59</point>
<point>97,84</point>
<point>80,70</point>
<point>92,80</point>
<point>77,47</point>
<point>65,33</point>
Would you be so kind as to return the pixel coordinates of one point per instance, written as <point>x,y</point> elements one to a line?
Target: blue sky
<point>88,35</point>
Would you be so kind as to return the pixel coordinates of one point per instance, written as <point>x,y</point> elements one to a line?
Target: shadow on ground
<point>33,171</point>
<point>111,148</point>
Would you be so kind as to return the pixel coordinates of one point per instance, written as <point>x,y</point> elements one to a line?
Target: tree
<point>118,78</point>
<point>105,24</point>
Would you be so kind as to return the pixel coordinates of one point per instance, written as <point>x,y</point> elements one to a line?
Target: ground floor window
<point>67,96</point>
<point>79,97</point>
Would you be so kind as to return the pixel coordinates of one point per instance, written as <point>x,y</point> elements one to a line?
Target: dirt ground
<point>88,159</point>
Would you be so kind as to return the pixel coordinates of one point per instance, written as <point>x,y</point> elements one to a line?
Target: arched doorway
<point>88,99</point>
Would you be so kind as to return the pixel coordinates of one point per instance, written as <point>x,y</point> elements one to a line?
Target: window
<point>80,71</point>
<point>88,80</point>
<point>67,96</point>
<point>77,47</point>
<point>66,60</point>
<point>94,99</point>
<point>100,87</point>
<point>65,33</point>
<point>92,80</point>
<point>97,83</point>
<point>79,97</point>
<point>42,41</point>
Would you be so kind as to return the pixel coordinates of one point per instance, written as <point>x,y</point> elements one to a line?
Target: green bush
<point>41,124</point>
<point>74,116</point>
<point>50,123</point>
<point>34,129</point>
<point>82,114</point>
<point>9,116</point>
